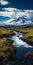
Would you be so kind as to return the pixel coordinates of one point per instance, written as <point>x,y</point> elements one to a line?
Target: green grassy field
<point>28,34</point>
<point>6,47</point>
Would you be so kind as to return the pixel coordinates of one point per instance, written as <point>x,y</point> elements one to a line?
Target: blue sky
<point>4,18</point>
<point>20,4</point>
<point>12,9</point>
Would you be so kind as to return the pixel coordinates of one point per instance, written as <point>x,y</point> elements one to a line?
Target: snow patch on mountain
<point>17,17</point>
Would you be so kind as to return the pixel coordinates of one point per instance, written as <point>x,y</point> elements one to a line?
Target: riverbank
<point>7,49</point>
<point>6,43</point>
<point>28,34</point>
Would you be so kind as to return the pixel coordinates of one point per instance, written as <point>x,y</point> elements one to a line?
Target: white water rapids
<point>18,42</point>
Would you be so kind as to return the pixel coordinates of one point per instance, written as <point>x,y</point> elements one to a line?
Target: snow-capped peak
<point>18,21</point>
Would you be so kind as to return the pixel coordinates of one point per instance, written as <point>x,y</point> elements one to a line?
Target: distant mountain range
<point>21,21</point>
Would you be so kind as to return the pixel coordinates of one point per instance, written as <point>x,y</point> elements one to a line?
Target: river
<point>22,48</point>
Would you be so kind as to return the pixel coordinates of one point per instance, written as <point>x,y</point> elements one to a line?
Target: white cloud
<point>13,13</point>
<point>29,14</point>
<point>4,2</point>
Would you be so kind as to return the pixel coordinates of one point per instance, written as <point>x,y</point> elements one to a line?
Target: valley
<point>7,49</point>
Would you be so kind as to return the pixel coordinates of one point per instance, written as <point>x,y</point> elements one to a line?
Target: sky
<point>13,9</point>
<point>20,4</point>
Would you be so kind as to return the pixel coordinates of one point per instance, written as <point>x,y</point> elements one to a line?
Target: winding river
<point>22,48</point>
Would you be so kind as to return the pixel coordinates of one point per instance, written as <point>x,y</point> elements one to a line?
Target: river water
<point>21,48</point>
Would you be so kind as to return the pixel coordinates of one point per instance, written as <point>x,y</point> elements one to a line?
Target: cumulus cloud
<point>4,2</point>
<point>29,14</point>
<point>15,13</point>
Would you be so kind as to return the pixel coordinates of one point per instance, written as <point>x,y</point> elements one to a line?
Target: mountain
<point>17,22</point>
